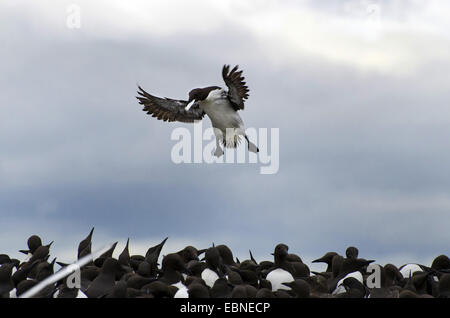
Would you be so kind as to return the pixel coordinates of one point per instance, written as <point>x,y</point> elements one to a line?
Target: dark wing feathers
<point>237,90</point>
<point>167,109</point>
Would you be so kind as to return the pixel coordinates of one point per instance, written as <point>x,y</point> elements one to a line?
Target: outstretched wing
<point>237,90</point>
<point>167,109</point>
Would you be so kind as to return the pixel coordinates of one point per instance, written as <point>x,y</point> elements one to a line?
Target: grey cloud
<point>76,149</point>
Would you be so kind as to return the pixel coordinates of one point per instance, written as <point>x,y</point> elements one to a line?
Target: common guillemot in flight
<point>220,105</point>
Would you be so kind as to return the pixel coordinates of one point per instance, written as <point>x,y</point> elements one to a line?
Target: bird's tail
<point>251,146</point>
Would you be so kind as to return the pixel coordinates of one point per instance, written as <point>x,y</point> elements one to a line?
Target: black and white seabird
<point>105,281</point>
<point>6,283</point>
<point>214,266</point>
<point>220,105</point>
<point>282,270</point>
<point>299,288</point>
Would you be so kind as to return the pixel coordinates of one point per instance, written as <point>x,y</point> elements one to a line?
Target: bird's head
<point>200,94</point>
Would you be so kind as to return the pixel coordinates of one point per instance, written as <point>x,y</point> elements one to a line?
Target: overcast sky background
<point>358,89</point>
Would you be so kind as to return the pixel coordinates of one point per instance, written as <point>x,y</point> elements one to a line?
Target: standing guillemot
<point>282,270</point>
<point>6,283</point>
<point>33,243</point>
<point>108,254</point>
<point>441,262</point>
<point>152,256</point>
<point>327,259</point>
<point>299,288</point>
<point>172,269</point>
<point>105,281</point>
<point>124,257</point>
<point>220,105</point>
<point>84,247</point>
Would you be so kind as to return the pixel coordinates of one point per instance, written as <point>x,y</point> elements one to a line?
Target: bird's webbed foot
<point>219,152</point>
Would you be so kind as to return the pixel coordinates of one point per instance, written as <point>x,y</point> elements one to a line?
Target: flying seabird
<point>219,104</point>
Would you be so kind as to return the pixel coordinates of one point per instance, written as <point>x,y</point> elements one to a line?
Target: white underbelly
<point>222,115</point>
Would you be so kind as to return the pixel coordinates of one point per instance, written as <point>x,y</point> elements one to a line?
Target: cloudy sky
<point>358,89</point>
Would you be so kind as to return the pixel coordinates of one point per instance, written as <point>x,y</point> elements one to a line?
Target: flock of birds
<point>215,273</point>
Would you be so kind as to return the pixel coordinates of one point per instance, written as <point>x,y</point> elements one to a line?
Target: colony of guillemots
<point>214,273</point>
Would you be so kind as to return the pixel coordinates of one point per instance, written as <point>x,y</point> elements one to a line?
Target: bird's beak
<point>187,271</point>
<point>287,284</point>
<point>189,105</point>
